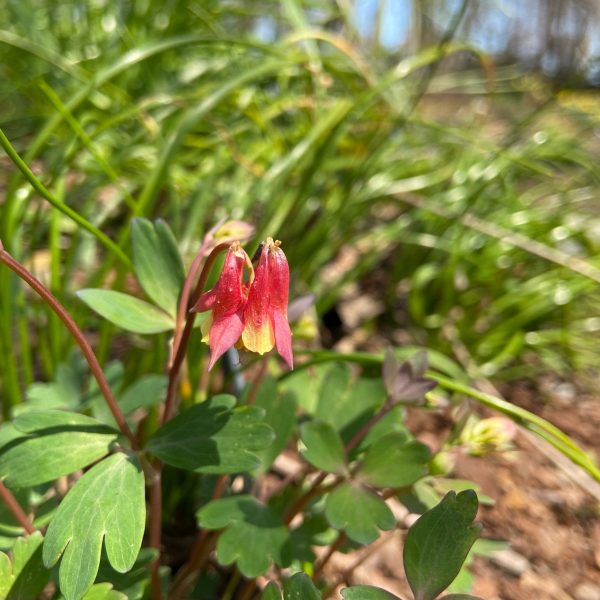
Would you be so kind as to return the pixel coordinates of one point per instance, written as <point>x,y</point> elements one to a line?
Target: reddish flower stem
<point>180,347</point>
<point>262,370</point>
<point>335,546</point>
<point>77,334</point>
<point>15,509</point>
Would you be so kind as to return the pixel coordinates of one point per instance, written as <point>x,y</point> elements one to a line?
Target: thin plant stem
<point>247,590</point>
<point>77,334</point>
<point>335,546</point>
<point>202,547</point>
<point>15,509</point>
<point>54,201</point>
<point>156,529</point>
<point>362,432</point>
<point>233,582</point>
<point>180,350</point>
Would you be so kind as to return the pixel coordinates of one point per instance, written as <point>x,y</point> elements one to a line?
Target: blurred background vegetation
<point>430,166</point>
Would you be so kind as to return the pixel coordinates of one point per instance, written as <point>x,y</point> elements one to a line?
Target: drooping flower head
<point>226,302</point>
<point>265,314</point>
<point>255,311</point>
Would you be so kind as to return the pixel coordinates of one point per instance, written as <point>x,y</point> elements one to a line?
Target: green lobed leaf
<point>107,503</point>
<point>324,447</point>
<point>280,415</point>
<point>271,592</point>
<point>346,403</point>
<point>438,543</point>
<point>128,312</point>
<point>358,512</point>
<point>213,437</point>
<point>253,537</point>
<point>367,592</point>
<point>394,461</point>
<point>157,262</point>
<point>147,391</point>
<point>26,577</point>
<point>133,583</point>
<point>49,444</point>
<point>300,587</point>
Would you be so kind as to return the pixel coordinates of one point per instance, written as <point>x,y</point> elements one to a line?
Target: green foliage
<point>157,263</point>
<point>128,312</point>
<point>324,447</point>
<point>254,535</point>
<point>107,503</point>
<point>279,414</point>
<point>358,512</point>
<point>438,543</point>
<point>26,576</point>
<point>213,437</point>
<point>366,592</point>
<point>48,444</point>
<point>394,461</point>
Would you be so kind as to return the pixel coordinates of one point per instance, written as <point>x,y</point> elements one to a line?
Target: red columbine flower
<point>256,313</point>
<point>226,300</point>
<point>265,314</point>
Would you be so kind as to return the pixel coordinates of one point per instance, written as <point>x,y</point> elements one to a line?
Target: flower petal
<point>283,337</point>
<point>224,333</point>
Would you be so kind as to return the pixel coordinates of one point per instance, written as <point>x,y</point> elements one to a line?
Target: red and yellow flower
<point>254,313</point>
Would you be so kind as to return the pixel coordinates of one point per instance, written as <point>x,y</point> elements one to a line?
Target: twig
<point>15,509</point>
<point>77,334</point>
<point>335,546</point>
<point>257,380</point>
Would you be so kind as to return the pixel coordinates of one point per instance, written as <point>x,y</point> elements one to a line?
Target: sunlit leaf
<point>106,504</point>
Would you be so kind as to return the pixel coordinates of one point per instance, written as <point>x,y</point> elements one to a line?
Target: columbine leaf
<point>26,577</point>
<point>254,534</point>
<point>213,437</point>
<point>347,403</point>
<point>280,415</point>
<point>128,312</point>
<point>157,263</point>
<point>358,512</point>
<point>300,587</point>
<point>52,443</point>
<point>324,447</point>
<point>367,592</point>
<point>133,583</point>
<point>438,543</point>
<point>147,391</point>
<point>106,503</point>
<point>103,591</point>
<point>271,592</point>
<point>394,461</point>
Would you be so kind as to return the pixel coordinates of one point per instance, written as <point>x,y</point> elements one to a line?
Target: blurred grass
<point>474,194</point>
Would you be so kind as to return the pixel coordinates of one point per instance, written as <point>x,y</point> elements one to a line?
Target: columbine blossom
<point>254,313</point>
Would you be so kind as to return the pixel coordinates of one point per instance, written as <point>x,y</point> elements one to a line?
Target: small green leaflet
<point>438,543</point>
<point>358,512</point>
<point>157,263</point>
<point>324,447</point>
<point>297,587</point>
<point>128,312</point>
<point>106,503</point>
<point>50,443</point>
<point>213,437</point>
<point>26,577</point>
<point>367,592</point>
<point>254,534</point>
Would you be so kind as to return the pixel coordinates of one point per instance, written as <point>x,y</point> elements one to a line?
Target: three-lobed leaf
<point>254,534</point>
<point>394,461</point>
<point>213,437</point>
<point>358,512</point>
<point>128,312</point>
<point>47,444</point>
<point>107,503</point>
<point>438,543</point>
<point>157,262</point>
<point>324,447</point>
